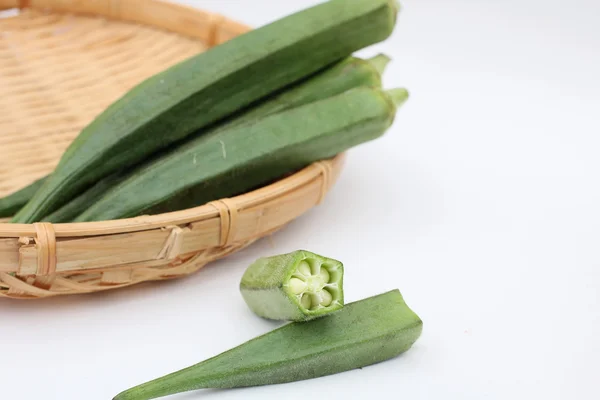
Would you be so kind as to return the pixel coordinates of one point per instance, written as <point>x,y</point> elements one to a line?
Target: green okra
<point>296,286</point>
<point>362,333</point>
<point>12,203</point>
<point>338,78</point>
<point>235,160</point>
<point>203,90</point>
<point>73,208</point>
<point>342,76</point>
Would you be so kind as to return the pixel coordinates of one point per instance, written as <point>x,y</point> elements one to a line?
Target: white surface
<point>481,205</point>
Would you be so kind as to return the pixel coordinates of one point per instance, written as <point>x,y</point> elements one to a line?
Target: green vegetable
<point>243,157</point>
<point>73,208</point>
<point>12,203</point>
<point>208,87</point>
<point>347,74</point>
<point>338,78</point>
<point>297,286</point>
<point>360,334</point>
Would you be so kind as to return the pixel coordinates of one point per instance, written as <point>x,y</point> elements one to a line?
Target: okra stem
<point>398,96</point>
<point>379,62</point>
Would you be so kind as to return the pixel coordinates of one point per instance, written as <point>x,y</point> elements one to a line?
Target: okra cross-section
<point>296,286</point>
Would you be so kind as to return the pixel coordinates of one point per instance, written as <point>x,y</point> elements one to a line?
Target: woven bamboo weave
<point>62,62</point>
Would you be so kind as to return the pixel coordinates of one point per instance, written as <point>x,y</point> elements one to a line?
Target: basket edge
<point>211,28</point>
<point>268,208</point>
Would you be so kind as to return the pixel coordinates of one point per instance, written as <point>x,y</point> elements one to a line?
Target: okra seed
<point>315,283</point>
<point>315,266</point>
<point>304,268</point>
<point>315,300</point>
<point>297,286</point>
<point>305,301</point>
<point>324,275</point>
<point>326,298</point>
<point>299,276</point>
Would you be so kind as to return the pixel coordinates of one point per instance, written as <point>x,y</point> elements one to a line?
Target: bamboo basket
<point>61,63</point>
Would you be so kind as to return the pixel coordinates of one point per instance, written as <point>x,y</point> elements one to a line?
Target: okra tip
<point>380,62</point>
<point>398,96</point>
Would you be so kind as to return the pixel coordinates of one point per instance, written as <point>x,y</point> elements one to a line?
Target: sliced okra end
<point>296,286</point>
<point>316,285</point>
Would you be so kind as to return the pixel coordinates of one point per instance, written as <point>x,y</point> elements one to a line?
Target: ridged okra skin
<point>244,157</point>
<point>200,91</point>
<point>12,203</point>
<point>362,333</point>
<point>347,74</point>
<point>296,286</point>
<point>79,204</point>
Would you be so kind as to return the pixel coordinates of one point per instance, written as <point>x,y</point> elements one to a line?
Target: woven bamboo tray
<point>61,63</point>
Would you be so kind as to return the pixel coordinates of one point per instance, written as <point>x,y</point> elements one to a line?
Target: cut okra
<point>296,286</point>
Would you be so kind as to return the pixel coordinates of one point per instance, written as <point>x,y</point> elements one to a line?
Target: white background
<point>481,204</point>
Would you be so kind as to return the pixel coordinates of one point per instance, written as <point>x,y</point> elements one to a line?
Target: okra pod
<point>236,160</point>
<point>347,74</point>
<point>12,203</point>
<point>297,286</point>
<point>203,90</point>
<point>79,204</point>
<point>362,333</point>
